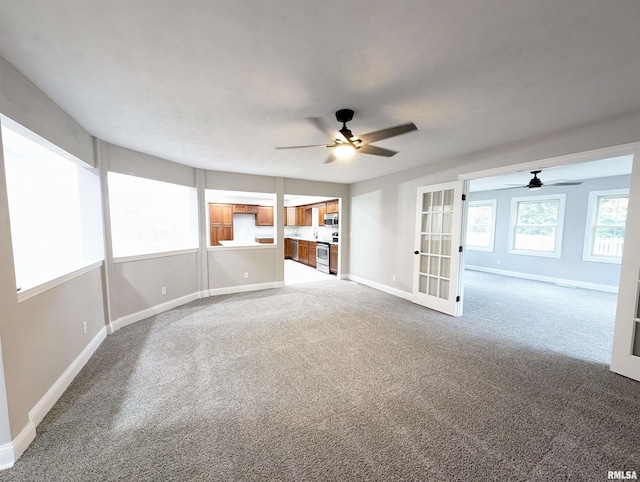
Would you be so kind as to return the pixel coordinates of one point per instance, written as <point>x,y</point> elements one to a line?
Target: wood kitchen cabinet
<point>291,216</point>
<point>322,210</point>
<point>264,216</point>
<point>221,223</point>
<point>221,233</point>
<point>303,251</point>
<point>287,248</point>
<point>333,258</point>
<point>300,216</point>
<point>220,214</point>
<point>332,206</point>
<point>245,209</point>
<point>312,254</point>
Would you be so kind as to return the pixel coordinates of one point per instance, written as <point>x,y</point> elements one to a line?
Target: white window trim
<point>591,219</point>
<point>491,247</point>
<point>557,252</point>
<point>32,291</point>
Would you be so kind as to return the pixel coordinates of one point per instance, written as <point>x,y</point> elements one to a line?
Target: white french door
<point>437,257</point>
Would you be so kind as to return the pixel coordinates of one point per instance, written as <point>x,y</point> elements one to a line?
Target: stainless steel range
<point>322,256</point>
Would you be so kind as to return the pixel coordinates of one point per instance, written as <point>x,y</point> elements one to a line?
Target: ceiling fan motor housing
<point>344,115</point>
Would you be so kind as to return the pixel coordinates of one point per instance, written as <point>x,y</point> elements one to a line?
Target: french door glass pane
<point>433,265</point>
<point>445,267</point>
<point>426,202</point>
<point>424,263</point>
<point>444,289</point>
<point>436,205</point>
<point>423,284</point>
<point>435,244</point>
<point>448,200</point>
<point>433,286</point>
<point>436,221</point>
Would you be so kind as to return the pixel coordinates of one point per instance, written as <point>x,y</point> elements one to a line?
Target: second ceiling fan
<point>345,144</point>
<point>536,183</point>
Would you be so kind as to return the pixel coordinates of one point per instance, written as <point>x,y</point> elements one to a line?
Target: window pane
<point>612,211</point>
<point>54,202</point>
<point>535,238</point>
<point>480,219</point>
<point>608,242</point>
<point>538,212</point>
<point>163,219</point>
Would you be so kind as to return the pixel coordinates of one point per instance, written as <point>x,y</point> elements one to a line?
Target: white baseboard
<point>11,452</point>
<point>242,288</point>
<point>379,286</point>
<point>547,279</point>
<point>45,404</point>
<point>154,310</point>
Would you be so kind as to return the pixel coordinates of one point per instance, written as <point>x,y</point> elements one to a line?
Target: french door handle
<point>416,252</point>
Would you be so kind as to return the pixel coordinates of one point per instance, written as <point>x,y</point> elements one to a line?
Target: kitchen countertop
<point>314,240</point>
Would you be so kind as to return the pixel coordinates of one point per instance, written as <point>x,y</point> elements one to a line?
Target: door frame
<point>623,361</point>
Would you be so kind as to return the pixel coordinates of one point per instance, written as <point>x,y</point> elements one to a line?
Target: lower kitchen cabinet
<point>221,233</point>
<point>303,251</point>
<point>287,248</point>
<point>333,259</point>
<point>312,254</point>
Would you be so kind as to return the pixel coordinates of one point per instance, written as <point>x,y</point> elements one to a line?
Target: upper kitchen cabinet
<point>221,213</point>
<point>291,216</point>
<point>322,209</point>
<point>264,216</point>
<point>303,216</point>
<point>332,206</point>
<point>245,209</point>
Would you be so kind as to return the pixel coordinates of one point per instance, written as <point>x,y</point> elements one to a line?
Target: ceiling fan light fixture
<point>344,151</point>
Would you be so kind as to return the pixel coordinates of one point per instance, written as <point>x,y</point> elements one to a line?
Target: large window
<point>149,216</point>
<point>606,220</point>
<point>481,225</point>
<point>54,208</point>
<point>536,225</point>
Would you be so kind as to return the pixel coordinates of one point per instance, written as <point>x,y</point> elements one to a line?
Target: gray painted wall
<point>227,267</point>
<point>570,266</point>
<point>41,336</point>
<point>139,282</point>
<point>383,210</point>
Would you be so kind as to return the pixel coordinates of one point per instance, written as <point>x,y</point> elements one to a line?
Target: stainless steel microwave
<point>331,220</point>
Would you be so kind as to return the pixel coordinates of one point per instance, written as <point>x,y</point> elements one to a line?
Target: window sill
<point>242,247</point>
<point>140,257</point>
<point>595,259</point>
<point>25,294</point>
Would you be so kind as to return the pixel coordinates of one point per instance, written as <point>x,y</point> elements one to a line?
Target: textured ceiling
<point>219,84</point>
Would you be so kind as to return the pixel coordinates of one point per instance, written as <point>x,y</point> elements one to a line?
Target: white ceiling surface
<point>615,166</point>
<point>219,84</point>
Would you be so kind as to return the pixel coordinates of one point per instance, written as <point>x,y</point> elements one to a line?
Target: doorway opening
<point>311,238</point>
<point>547,257</point>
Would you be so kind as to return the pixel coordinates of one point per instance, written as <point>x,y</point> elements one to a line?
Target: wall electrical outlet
<point>498,261</point>
<point>84,327</point>
<point>394,277</point>
<point>164,290</point>
<point>246,274</point>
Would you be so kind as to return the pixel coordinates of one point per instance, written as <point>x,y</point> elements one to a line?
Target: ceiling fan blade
<point>331,158</point>
<point>302,147</point>
<point>321,124</point>
<point>376,151</point>
<point>514,187</point>
<point>386,133</point>
<point>563,182</point>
